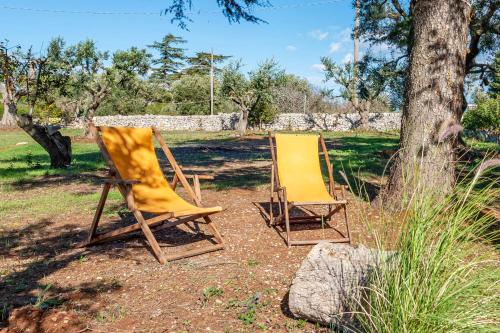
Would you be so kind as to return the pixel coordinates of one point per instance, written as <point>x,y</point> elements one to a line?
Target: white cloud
<point>345,34</point>
<point>319,34</point>
<point>318,67</point>
<point>291,48</point>
<point>347,58</point>
<point>335,46</point>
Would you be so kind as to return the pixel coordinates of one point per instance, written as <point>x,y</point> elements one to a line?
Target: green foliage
<point>253,93</point>
<point>133,60</point>
<point>191,94</point>
<point>263,112</point>
<point>373,80</point>
<point>443,277</point>
<point>171,57</point>
<point>388,24</point>
<point>485,117</point>
<point>234,10</point>
<point>495,82</point>
<point>200,63</point>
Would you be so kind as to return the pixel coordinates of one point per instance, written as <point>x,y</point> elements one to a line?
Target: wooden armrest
<point>121,181</point>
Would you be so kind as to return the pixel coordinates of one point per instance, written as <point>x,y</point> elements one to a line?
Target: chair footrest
<point>192,253</point>
<point>316,241</point>
<point>312,203</point>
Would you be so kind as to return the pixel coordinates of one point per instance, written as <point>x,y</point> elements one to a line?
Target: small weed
<point>83,259</point>
<point>4,313</point>
<point>292,325</point>
<point>31,163</point>
<point>301,323</point>
<point>232,303</point>
<point>116,284</point>
<point>252,262</point>
<point>250,304</point>
<point>101,317</point>
<point>248,317</point>
<point>270,291</point>
<point>21,287</point>
<point>261,326</point>
<point>40,299</point>
<point>210,292</point>
<point>186,322</point>
<point>110,315</point>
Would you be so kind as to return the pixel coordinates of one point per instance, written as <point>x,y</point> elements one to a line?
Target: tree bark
<point>54,143</point>
<point>243,123</point>
<point>425,162</point>
<point>86,124</point>
<point>364,111</point>
<point>8,117</point>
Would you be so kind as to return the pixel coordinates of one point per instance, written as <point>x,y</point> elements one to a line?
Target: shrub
<point>485,117</point>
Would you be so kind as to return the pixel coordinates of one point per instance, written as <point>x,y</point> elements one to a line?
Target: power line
<point>161,12</point>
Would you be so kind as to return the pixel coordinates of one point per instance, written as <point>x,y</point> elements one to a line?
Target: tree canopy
<point>234,10</point>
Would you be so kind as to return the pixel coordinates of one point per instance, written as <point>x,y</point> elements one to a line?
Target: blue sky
<point>299,32</point>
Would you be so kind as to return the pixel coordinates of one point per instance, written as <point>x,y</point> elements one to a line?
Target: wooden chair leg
<point>347,224</point>
<point>287,219</point>
<point>213,229</point>
<point>150,237</point>
<point>197,187</point>
<point>271,206</point>
<point>98,212</point>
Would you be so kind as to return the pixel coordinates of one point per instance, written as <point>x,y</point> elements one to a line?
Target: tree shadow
<point>49,248</point>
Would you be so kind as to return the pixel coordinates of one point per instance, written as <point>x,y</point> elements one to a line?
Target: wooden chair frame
<point>158,222</point>
<point>285,206</point>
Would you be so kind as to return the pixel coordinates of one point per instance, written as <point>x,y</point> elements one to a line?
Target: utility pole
<point>212,83</point>
<point>356,53</point>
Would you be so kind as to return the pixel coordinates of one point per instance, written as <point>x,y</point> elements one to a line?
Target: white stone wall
<point>229,121</point>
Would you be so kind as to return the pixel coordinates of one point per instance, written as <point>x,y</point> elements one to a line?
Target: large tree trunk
<point>243,123</point>
<point>425,162</point>
<point>86,124</point>
<point>54,143</point>
<point>9,116</point>
<point>364,111</point>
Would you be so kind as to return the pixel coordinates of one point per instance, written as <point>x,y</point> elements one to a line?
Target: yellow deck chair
<point>297,181</point>
<point>135,170</point>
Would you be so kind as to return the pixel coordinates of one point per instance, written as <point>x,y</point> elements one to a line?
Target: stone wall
<point>229,121</point>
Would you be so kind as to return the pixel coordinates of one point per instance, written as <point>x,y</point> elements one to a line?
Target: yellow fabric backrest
<point>133,154</point>
<point>299,168</point>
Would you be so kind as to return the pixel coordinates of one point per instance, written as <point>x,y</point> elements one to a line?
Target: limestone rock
<point>329,282</point>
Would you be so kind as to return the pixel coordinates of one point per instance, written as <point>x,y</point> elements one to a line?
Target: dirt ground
<point>120,287</point>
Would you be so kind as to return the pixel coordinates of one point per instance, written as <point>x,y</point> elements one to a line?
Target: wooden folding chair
<point>135,170</point>
<point>297,181</point>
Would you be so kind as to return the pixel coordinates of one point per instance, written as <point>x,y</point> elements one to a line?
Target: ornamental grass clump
<point>445,274</point>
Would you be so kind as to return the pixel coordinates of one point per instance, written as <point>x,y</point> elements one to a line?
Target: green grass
<point>444,275</point>
<point>26,166</point>
<point>43,204</point>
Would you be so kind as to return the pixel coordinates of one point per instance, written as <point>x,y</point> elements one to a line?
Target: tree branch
<point>398,7</point>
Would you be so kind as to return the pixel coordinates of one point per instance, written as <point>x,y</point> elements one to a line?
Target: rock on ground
<point>326,287</point>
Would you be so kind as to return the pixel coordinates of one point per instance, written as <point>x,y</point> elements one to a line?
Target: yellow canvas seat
<point>299,168</point>
<point>132,152</point>
<point>135,170</point>
<point>297,180</point>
